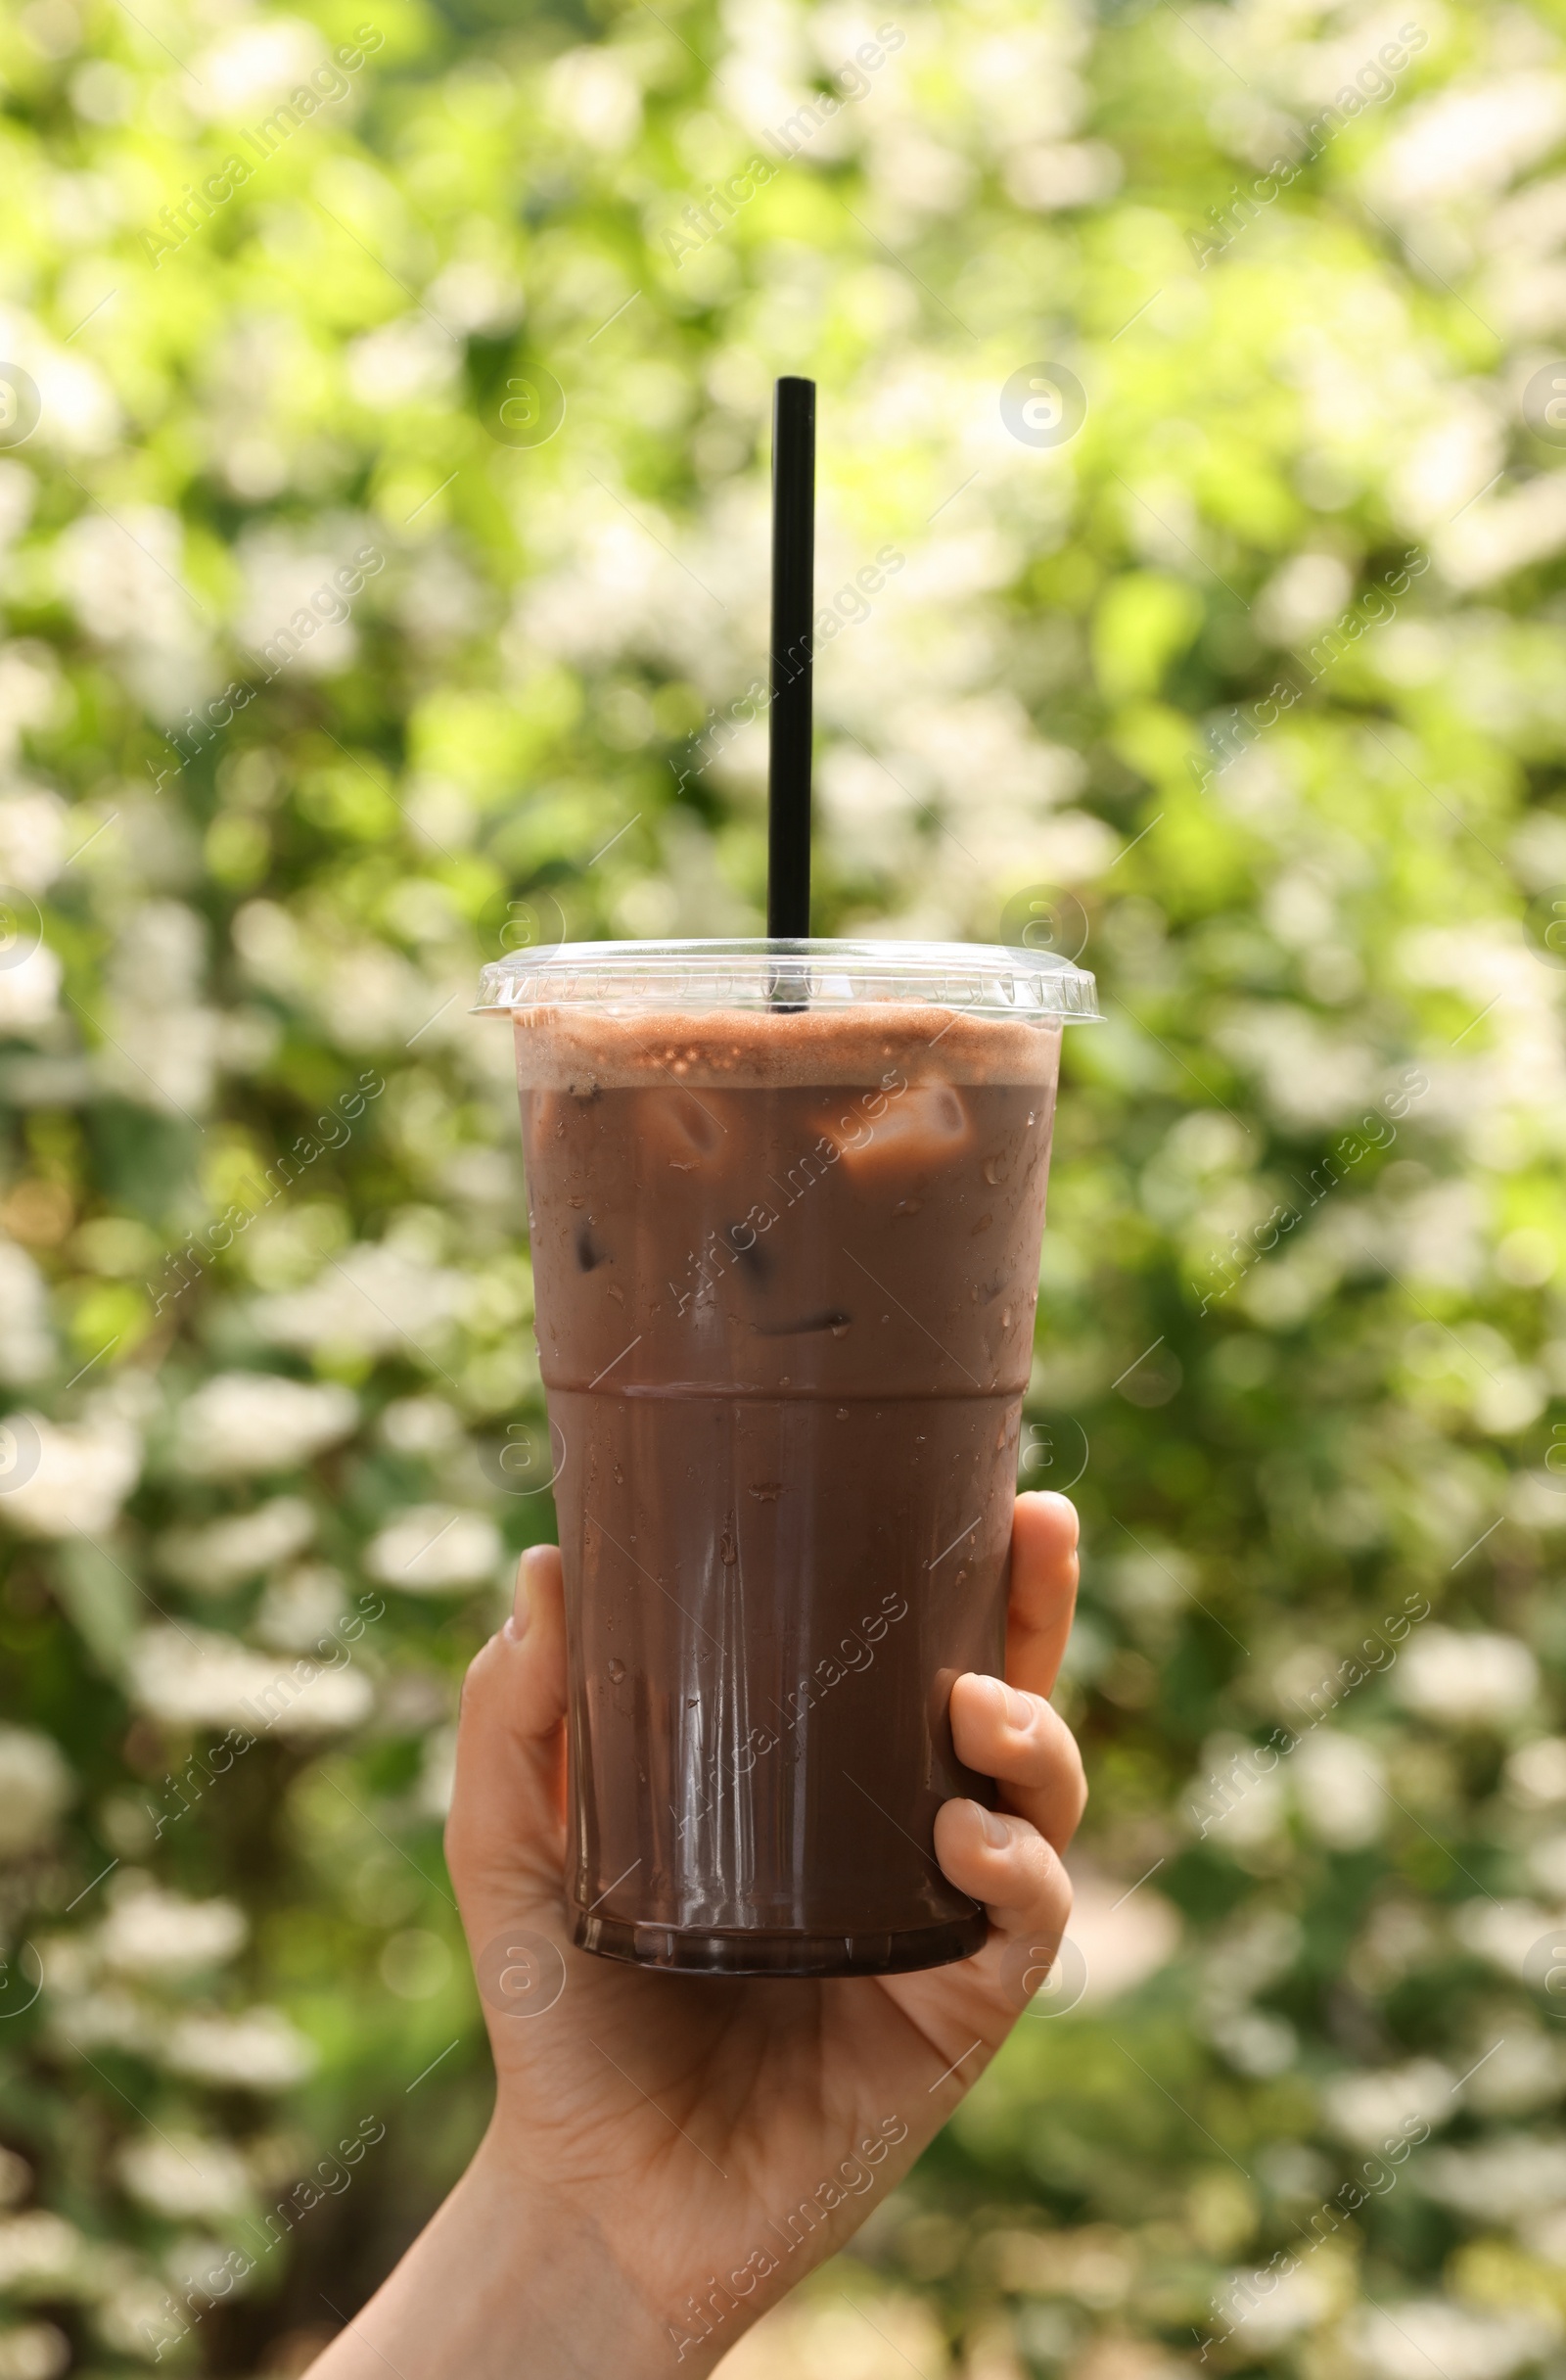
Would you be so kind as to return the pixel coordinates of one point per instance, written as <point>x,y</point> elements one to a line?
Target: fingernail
<point>1008,1705</point>
<point>997,1830</point>
<point>1062,1504</point>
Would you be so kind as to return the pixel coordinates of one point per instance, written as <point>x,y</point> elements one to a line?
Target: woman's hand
<point>669,2154</point>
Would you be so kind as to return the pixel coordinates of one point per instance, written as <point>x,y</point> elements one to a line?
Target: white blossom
<point>594,92</point>
<point>252,66</point>
<point>1465,1677</point>
<point>182,2175</point>
<point>1297,2301</point>
<point>432,1547</point>
<point>1310,1075</point>
<point>470,295</point>
<point>1365,2109</point>
<point>133,2313</point>
<point>196,1678</point>
<point>1123,1936</point>
<point>160,955</point>
<point>111,2016</point>
<point>33,2351</point>
<point>1536,1773</point>
<point>258,2051</point>
<point>32,820</point>
<point>1310,590</point>
<point>437,1773</point>
<point>213,1559</point>
<point>401,362</point>
<point>1421,2335</point>
<point>1472,139</point>
<point>151,1931</point>
<point>29,990</point>
<point>300,1608</point>
<point>1243,1960</point>
<point>1063,174</point>
<point>421,1426</point>
<point>82,414</point>
<point>1522,2070</point>
<point>375,1299</point>
<point>1338,1788</point>
<point>242,1423</point>
<point>29,672</point>
<point>123,577</point>
<point>163,1058</point>
<point>294,615</point>
<point>1496,2179</point>
<point>26,1343</point>
<point>1237,1799</point>
<point>1506,1932</point>
<point>39,2247</point>
<point>35,1785</point>
<point>1543,2233</point>
<point>201,2267</point>
<point>72,1479</point>
<point>160,1047</point>
<point>1546,1864</point>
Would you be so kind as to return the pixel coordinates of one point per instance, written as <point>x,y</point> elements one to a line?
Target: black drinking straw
<point>788,849</point>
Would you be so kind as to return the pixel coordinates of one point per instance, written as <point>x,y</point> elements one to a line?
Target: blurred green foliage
<point>327,676</point>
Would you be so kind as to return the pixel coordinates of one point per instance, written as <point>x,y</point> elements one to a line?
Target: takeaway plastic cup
<point>785,1202</point>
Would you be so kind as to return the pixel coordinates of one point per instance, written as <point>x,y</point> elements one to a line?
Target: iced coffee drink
<point>785,1239</point>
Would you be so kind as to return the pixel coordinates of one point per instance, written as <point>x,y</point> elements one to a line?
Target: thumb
<point>505,1837</point>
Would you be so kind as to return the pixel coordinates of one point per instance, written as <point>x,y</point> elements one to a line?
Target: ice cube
<point>924,1124</point>
<point>681,1130</point>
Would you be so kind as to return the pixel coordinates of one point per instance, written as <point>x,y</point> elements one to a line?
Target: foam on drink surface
<point>875,1043</point>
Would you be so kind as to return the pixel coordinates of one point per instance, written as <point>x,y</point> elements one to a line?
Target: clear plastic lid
<point>980,978</point>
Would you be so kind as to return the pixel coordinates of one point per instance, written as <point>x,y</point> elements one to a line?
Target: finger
<point>1043,1589</point>
<point>1025,1743</point>
<point>1008,1865</point>
<point>505,1834</point>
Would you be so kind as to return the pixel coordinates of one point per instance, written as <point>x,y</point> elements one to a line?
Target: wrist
<point>506,2277</point>
<point>657,2323</point>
